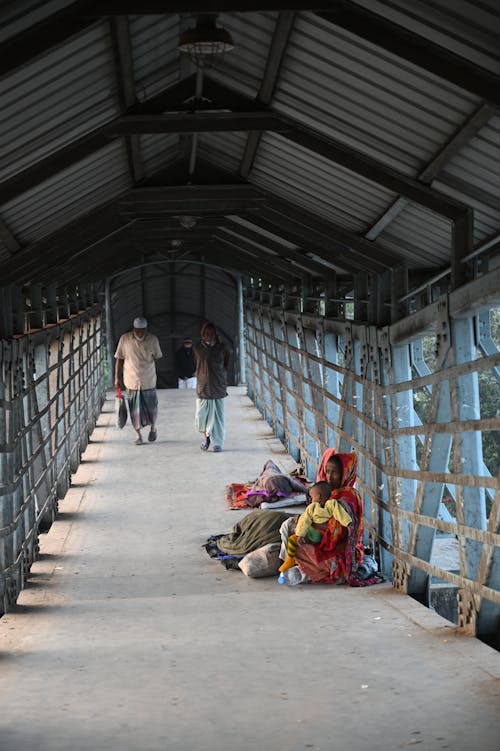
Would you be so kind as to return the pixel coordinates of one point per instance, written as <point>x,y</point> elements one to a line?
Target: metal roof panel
<point>386,108</point>
<point>154,41</point>
<point>313,182</point>
<point>72,193</point>
<point>244,67</point>
<point>49,103</point>
<point>468,28</point>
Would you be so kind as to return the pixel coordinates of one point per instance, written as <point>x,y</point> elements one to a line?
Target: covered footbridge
<point>320,182</point>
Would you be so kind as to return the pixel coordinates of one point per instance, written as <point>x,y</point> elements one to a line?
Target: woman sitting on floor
<point>335,558</point>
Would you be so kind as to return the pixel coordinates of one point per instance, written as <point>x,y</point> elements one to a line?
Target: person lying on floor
<point>257,529</point>
<point>273,485</point>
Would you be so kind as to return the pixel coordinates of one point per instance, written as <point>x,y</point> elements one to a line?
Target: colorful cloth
<point>143,407</point>
<point>336,557</point>
<point>236,495</point>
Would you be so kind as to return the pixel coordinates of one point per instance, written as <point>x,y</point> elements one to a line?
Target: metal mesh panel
<point>321,382</point>
<point>51,393</point>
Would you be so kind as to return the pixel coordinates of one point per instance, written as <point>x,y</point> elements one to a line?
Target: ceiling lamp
<point>205,41</point>
<point>187,222</point>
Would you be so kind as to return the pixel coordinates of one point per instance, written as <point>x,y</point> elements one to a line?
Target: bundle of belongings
<point>253,545</point>
<point>272,489</point>
<point>267,540</point>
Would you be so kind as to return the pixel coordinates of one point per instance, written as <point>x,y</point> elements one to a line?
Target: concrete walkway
<point>130,638</point>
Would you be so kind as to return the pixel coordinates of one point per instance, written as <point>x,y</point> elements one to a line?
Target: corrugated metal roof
<point>243,67</point>
<point>467,27</point>
<point>158,151</point>
<point>313,182</point>
<point>224,149</point>
<point>17,16</point>
<point>74,192</point>
<point>57,99</point>
<point>360,93</point>
<point>154,51</point>
<point>382,106</point>
<point>422,237</point>
<point>473,176</point>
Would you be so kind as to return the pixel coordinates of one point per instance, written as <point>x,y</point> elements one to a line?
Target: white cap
<point>140,323</point>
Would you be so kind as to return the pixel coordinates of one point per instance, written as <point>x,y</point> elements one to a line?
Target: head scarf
<point>349,469</point>
<point>324,461</point>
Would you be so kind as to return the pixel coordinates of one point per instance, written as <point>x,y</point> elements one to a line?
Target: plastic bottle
<point>292,576</point>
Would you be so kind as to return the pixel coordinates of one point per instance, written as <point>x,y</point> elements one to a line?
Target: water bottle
<point>291,577</point>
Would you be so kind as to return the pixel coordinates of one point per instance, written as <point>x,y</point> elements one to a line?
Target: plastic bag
<point>264,561</point>
<point>367,568</point>
<point>120,409</point>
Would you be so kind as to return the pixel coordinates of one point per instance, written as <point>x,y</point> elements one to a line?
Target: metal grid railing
<point>320,383</point>
<point>51,393</point>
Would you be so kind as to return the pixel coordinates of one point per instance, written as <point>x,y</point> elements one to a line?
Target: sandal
<point>217,448</point>
<point>206,443</point>
<point>139,441</point>
<point>152,435</point>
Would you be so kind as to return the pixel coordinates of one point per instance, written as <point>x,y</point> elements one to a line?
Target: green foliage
<point>495,326</point>
<point>489,396</point>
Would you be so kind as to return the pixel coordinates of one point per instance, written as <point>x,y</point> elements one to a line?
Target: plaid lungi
<point>143,407</point>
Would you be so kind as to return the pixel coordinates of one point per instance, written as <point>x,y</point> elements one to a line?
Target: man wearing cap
<point>135,356</point>
<point>185,365</point>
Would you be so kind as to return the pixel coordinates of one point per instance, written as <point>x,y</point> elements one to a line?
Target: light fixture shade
<point>205,41</point>
<point>187,222</point>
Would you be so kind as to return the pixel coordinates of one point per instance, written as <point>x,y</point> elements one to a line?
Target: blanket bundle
<point>255,530</point>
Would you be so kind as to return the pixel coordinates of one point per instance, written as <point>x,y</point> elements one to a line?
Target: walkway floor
<point>130,638</point>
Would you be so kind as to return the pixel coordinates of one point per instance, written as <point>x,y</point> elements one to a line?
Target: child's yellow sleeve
<point>304,522</point>
<point>338,512</point>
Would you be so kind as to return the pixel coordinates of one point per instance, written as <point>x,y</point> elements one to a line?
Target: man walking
<point>212,359</point>
<point>135,356</point>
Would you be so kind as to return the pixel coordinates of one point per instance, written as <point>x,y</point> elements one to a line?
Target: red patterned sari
<point>336,557</point>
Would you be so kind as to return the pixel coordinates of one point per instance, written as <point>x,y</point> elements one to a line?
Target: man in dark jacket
<point>185,365</point>
<point>212,360</point>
